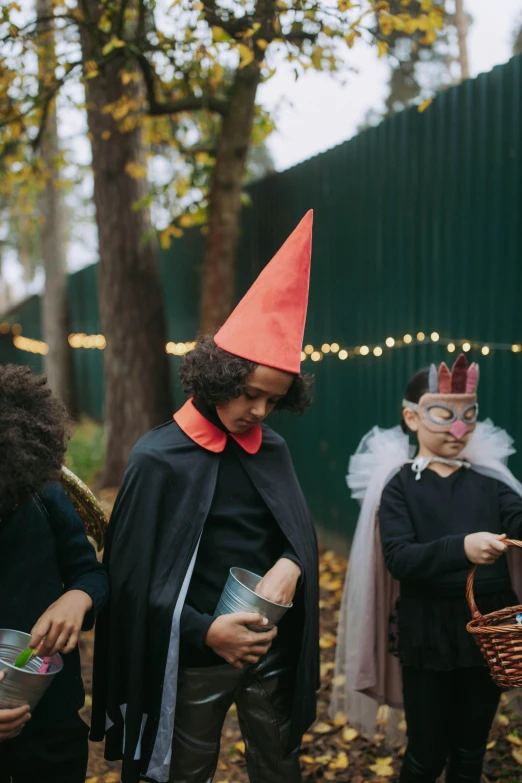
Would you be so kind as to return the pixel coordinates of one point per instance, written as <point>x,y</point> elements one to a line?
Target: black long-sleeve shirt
<point>44,552</point>
<point>239,531</point>
<point>423,525</point>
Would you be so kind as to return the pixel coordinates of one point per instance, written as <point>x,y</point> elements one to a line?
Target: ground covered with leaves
<point>332,750</point>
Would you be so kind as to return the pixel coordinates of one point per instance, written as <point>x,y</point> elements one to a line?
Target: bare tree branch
<point>190,103</point>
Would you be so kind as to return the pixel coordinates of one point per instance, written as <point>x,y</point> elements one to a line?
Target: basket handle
<point>470,595</point>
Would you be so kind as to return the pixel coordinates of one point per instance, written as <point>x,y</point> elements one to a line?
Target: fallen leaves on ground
<point>332,750</point>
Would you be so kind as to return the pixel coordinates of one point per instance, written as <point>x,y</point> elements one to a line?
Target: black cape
<point>150,551</point>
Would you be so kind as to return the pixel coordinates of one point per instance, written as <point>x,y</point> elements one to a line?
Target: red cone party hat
<point>267,326</point>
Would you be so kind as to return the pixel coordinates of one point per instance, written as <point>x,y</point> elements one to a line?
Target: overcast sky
<point>324,113</point>
<point>316,112</point>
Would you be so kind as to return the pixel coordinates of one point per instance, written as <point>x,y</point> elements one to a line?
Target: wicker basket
<point>499,636</point>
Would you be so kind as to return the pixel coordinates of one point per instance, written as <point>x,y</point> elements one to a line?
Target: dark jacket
<point>44,552</point>
<point>156,524</point>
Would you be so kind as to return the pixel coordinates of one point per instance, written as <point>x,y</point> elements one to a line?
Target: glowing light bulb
<point>451,347</point>
<point>309,349</point>
<point>377,351</point>
<point>316,356</point>
<point>408,339</point>
<point>435,336</point>
<point>515,348</point>
<point>485,350</point>
<point>343,355</point>
<point>466,347</point>
<point>364,351</point>
<point>421,336</point>
<point>303,356</point>
<point>325,348</point>
<point>334,347</point>
<point>390,342</point>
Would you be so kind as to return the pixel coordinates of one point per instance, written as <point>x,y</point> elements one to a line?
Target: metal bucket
<point>239,596</point>
<point>23,686</point>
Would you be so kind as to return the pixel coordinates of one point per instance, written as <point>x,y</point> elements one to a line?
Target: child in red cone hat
<point>212,490</point>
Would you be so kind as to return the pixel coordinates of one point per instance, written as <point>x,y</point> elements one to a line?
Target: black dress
<point>423,526</point>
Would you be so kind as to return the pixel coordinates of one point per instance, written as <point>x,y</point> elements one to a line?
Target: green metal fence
<point>417,229</point>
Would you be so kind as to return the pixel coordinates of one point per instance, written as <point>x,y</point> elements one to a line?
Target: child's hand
<point>11,721</point>
<point>280,583</point>
<point>61,624</point>
<point>484,548</point>
<point>229,637</point>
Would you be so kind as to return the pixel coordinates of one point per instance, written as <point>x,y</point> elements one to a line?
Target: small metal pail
<point>239,596</point>
<point>23,686</point>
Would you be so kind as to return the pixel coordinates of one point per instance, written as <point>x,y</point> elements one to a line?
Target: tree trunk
<point>461,23</point>
<point>54,314</point>
<point>225,200</point>
<point>137,386</point>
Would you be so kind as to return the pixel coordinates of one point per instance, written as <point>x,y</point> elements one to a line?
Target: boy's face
<point>264,388</point>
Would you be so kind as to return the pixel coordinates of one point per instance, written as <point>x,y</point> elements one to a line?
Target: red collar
<point>210,437</point>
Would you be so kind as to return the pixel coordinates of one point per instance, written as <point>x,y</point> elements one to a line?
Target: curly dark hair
<point>34,429</point>
<point>215,376</point>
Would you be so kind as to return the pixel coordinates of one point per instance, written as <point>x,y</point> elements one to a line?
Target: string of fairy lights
<point>309,353</point>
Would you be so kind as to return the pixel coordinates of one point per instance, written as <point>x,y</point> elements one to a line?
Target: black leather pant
<point>449,716</point>
<point>263,697</point>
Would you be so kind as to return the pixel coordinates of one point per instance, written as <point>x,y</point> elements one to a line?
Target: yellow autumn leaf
<point>424,105</point>
<point>95,779</point>
<point>219,35</point>
<point>240,747</point>
<point>410,26</point>
<point>105,23</point>
<point>350,39</point>
<point>106,135</point>
<point>322,760</point>
<point>382,772</point>
<point>344,5</point>
<point>111,777</point>
<point>90,69</point>
<point>327,641</point>
<point>340,719</point>
<point>165,240</point>
<point>307,760</point>
<point>514,740</point>
<point>339,680</point>
<point>502,719</point>
<point>308,737</point>
<point>326,667</point>
<point>382,48</point>
<point>386,24</point>
<point>426,5</point>
<point>429,37</point>
<point>321,728</point>
<point>517,755</point>
<point>383,767</point>
<point>126,77</point>
<point>246,55</point>
<point>350,734</point>
<point>198,6</point>
<point>136,170</point>
<point>261,44</point>
<point>341,762</point>
<point>491,745</point>
<point>398,23</point>
<point>114,43</point>
<point>436,18</point>
<point>186,221</point>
